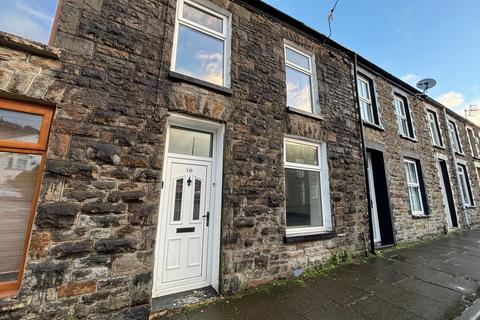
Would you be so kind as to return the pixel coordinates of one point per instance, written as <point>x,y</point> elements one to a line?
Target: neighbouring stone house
<point>190,144</point>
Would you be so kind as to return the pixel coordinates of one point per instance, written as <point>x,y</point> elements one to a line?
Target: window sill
<point>304,113</point>
<point>178,77</point>
<point>470,207</point>
<point>373,125</point>
<point>309,237</point>
<point>460,153</point>
<point>422,216</point>
<point>439,147</point>
<point>8,294</point>
<point>408,138</point>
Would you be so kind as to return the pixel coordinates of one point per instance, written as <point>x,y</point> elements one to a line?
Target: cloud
<point>28,19</point>
<point>32,12</point>
<point>410,78</point>
<point>24,27</point>
<point>451,99</point>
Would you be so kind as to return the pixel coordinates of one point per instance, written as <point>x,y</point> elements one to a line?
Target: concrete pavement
<point>434,280</point>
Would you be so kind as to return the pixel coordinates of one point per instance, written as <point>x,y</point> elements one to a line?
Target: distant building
<point>472,113</point>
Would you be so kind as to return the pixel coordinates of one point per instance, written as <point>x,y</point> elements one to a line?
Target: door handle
<point>208,217</point>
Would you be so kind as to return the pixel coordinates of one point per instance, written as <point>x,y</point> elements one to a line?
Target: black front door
<point>447,187</point>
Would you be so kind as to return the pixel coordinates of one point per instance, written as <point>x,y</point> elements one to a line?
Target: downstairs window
<point>23,144</point>
<point>307,188</point>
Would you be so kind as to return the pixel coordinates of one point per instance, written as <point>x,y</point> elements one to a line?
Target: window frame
<point>226,36</point>
<point>436,125</point>
<point>468,185</point>
<point>38,110</point>
<point>418,185</point>
<point>11,287</point>
<point>322,168</point>
<point>474,148</point>
<point>410,134</point>
<point>456,142</point>
<point>369,102</point>
<point>312,73</point>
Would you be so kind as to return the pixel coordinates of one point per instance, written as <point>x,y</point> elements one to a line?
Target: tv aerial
<point>426,84</point>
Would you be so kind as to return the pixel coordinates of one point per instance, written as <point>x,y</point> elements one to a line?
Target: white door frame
<point>213,258</point>
<point>448,217</point>
<point>373,198</point>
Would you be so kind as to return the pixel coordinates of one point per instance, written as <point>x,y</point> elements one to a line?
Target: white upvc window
<point>464,185</point>
<point>454,138</point>
<point>306,188</point>
<point>414,187</point>
<point>366,101</point>
<point>473,142</point>
<point>434,128</point>
<point>301,80</point>
<point>202,42</point>
<point>402,118</point>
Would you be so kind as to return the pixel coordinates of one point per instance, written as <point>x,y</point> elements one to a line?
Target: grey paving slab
<point>420,305</point>
<point>333,311</point>
<point>435,280</point>
<point>433,291</point>
<point>466,287</point>
<point>377,309</point>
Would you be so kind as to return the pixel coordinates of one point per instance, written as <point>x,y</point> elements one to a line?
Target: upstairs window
<point>415,186</point>
<point>307,188</point>
<point>366,94</point>
<point>473,142</point>
<point>454,137</point>
<point>464,185</point>
<point>404,121</point>
<point>434,128</point>
<point>301,80</point>
<point>23,144</point>
<point>202,43</point>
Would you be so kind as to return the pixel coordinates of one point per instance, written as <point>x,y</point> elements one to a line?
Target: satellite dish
<point>426,84</point>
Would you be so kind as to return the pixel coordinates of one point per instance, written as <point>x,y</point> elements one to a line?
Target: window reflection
<point>17,185</point>
<point>19,126</point>
<point>202,18</point>
<point>200,55</point>
<point>304,203</point>
<point>189,142</point>
<point>297,58</point>
<point>299,90</point>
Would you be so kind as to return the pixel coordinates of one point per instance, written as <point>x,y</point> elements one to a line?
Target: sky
<point>411,39</point>
<point>31,19</point>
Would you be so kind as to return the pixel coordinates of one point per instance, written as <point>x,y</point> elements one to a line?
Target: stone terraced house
<point>162,147</point>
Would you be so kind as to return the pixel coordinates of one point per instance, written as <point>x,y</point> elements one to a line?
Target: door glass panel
<point>301,153</point>
<point>189,142</point>
<point>19,126</point>
<point>177,210</point>
<point>196,199</point>
<point>18,173</point>
<point>202,18</point>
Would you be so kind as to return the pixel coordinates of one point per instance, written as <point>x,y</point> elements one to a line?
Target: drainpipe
<point>456,170</point>
<point>364,150</point>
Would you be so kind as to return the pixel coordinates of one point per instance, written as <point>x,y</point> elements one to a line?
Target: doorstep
<point>182,299</point>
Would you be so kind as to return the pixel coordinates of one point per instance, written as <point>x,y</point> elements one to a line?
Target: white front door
<point>183,250</point>
<point>373,201</point>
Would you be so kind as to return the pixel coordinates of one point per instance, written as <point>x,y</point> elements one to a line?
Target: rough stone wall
<point>253,215</point>
<point>406,227</point>
<point>473,213</point>
<point>92,246</point>
<point>92,249</point>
